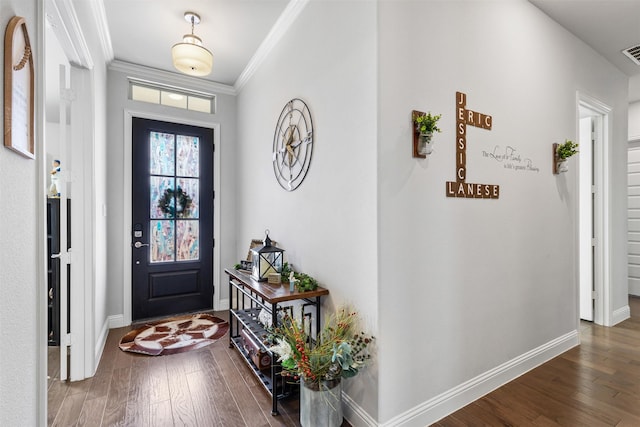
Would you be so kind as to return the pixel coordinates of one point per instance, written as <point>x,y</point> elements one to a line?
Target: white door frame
<point>42,298</point>
<point>603,309</point>
<point>79,172</point>
<point>126,202</point>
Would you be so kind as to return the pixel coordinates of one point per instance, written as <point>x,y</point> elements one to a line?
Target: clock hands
<point>290,146</point>
<point>308,139</point>
<point>289,150</point>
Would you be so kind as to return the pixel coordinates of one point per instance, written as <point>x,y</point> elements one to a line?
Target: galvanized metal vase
<point>321,404</point>
<point>563,166</point>
<point>425,143</point>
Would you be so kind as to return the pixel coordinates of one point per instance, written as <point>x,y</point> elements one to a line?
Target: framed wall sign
<point>18,88</point>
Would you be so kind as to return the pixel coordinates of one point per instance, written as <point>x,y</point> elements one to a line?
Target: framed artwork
<point>18,89</point>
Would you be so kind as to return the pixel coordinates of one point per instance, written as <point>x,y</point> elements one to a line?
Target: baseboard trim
<point>100,343</point>
<point>116,321</point>
<point>355,414</point>
<point>224,305</point>
<point>620,315</point>
<point>450,401</point>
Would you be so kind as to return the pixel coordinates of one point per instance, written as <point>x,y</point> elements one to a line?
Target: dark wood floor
<point>208,387</point>
<point>595,384</point>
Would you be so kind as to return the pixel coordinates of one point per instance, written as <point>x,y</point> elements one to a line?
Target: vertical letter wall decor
<point>460,188</point>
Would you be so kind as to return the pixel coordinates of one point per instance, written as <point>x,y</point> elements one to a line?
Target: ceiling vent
<point>633,53</point>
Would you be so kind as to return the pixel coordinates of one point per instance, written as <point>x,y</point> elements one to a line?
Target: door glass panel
<point>188,163</point>
<point>191,189</point>
<point>188,240</point>
<point>174,197</point>
<point>162,241</point>
<point>162,153</point>
<point>163,202</point>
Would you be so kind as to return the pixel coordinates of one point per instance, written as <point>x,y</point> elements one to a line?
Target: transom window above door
<point>171,97</point>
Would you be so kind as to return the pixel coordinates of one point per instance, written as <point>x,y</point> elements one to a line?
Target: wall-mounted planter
<point>568,149</point>
<point>422,141</point>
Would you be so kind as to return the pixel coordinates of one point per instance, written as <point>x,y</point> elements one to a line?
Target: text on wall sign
<point>460,188</point>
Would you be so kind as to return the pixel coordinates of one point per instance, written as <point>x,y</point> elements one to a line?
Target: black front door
<point>172,211</point>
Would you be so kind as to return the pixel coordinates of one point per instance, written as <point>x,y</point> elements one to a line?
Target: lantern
<point>267,259</point>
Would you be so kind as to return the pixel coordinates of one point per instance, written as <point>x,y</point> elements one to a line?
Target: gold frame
<point>18,89</point>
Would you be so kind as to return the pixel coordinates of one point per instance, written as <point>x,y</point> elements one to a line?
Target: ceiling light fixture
<point>189,56</point>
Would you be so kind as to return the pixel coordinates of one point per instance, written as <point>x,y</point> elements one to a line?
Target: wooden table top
<point>273,292</point>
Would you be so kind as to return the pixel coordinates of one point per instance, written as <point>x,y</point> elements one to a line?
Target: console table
<point>247,298</point>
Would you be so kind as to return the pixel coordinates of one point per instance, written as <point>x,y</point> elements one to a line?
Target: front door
<point>172,211</point>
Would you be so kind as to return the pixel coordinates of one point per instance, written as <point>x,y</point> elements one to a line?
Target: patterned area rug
<point>175,335</point>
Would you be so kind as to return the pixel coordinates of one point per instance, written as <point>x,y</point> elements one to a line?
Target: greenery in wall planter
<point>426,124</point>
<point>561,153</point>
<point>566,150</point>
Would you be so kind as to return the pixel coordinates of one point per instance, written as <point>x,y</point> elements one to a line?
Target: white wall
<point>20,228</point>
<point>328,225</point>
<point>479,283</point>
<point>118,103</point>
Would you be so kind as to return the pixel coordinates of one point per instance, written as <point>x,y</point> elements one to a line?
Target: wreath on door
<point>178,209</point>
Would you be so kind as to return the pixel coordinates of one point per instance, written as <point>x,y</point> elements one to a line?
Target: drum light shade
<point>190,57</point>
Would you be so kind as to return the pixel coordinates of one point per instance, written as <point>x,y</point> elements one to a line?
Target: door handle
<point>138,245</point>
<point>54,256</point>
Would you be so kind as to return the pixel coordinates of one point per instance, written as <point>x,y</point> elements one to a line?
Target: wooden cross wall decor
<point>460,188</point>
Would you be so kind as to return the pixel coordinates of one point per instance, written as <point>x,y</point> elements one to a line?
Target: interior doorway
<point>594,288</point>
<point>68,137</point>
<point>57,194</point>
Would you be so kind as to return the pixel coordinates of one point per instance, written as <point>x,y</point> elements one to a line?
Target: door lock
<point>138,245</point>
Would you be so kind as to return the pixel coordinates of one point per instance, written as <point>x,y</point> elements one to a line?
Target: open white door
<point>64,254</point>
<point>593,211</point>
<point>586,235</point>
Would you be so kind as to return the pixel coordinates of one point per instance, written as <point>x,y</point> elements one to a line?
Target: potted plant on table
<point>320,363</point>
<point>426,125</point>
<point>563,152</point>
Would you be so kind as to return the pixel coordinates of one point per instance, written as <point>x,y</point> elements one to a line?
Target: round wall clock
<point>292,144</point>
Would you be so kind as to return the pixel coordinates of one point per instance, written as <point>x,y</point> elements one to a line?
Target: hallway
<point>595,384</point>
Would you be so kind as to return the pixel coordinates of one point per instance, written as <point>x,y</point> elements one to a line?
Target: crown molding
<point>288,17</point>
<point>169,78</point>
<point>100,16</point>
<point>64,20</point>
